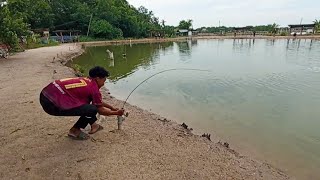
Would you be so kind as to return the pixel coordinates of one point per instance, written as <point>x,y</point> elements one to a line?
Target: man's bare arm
<point>109,106</point>
<point>108,112</point>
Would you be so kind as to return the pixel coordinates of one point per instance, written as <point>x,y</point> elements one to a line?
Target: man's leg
<point>87,116</point>
<point>86,112</point>
<point>84,121</point>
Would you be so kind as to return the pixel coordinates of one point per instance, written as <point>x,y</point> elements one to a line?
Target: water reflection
<point>243,44</point>
<point>302,52</point>
<point>194,42</point>
<point>296,43</point>
<point>125,59</point>
<point>270,42</point>
<point>184,49</point>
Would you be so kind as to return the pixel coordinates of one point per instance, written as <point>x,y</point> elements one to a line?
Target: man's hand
<point>120,112</point>
<point>108,112</point>
<point>109,106</point>
<point>114,109</point>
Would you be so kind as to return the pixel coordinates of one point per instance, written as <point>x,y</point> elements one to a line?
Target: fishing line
<point>175,69</point>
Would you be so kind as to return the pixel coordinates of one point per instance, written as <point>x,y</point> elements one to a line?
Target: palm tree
<point>163,23</point>
<point>275,28</point>
<point>317,25</point>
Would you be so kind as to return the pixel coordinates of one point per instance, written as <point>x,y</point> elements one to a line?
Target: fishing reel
<point>121,119</point>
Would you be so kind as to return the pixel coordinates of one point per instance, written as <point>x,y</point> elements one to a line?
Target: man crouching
<point>79,96</point>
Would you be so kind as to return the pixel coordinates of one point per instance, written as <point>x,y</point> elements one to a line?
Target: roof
<point>40,30</point>
<point>301,25</point>
<point>183,30</point>
<point>57,31</point>
<point>243,28</point>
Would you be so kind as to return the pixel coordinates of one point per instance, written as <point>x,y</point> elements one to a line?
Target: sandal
<point>81,136</point>
<point>99,129</point>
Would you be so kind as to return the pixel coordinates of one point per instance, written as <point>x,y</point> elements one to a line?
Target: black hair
<point>98,71</point>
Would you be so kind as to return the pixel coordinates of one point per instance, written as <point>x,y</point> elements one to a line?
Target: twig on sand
<point>96,140</point>
<point>15,131</point>
<point>80,160</point>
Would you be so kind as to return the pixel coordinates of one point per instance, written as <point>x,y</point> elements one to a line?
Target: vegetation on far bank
<point>100,19</point>
<point>96,20</point>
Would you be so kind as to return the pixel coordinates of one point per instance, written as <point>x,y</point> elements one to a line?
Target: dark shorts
<point>86,112</point>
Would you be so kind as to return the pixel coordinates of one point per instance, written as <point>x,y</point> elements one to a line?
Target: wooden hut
<point>302,28</point>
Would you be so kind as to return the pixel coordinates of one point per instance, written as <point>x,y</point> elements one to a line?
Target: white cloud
<point>231,12</point>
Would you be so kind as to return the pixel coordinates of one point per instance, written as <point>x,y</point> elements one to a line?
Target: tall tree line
<point>109,18</point>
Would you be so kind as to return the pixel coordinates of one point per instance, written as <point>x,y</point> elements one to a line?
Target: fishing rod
<point>175,69</point>
<point>123,117</point>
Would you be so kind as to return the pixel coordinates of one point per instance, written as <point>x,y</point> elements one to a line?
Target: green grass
<point>39,45</point>
<point>90,39</point>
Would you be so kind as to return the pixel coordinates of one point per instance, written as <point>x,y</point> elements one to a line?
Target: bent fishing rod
<point>175,69</point>
<point>123,117</point>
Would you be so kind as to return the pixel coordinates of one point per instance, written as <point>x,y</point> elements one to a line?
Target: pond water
<point>261,96</point>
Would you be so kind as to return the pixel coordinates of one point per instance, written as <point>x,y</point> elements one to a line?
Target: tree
<point>185,24</point>
<point>111,18</point>
<point>103,29</point>
<point>274,28</point>
<point>11,28</point>
<point>40,14</point>
<point>317,25</point>
<point>267,28</point>
<point>169,31</point>
<point>143,10</point>
<point>37,13</point>
<point>163,23</point>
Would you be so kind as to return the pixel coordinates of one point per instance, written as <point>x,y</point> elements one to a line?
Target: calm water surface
<point>262,96</point>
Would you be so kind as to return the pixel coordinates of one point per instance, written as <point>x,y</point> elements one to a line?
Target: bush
<point>86,39</point>
<point>284,34</point>
<point>35,41</point>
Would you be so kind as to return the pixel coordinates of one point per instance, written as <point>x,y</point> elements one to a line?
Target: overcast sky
<point>233,13</point>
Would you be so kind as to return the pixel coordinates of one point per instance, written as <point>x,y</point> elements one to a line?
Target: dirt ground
<point>34,145</point>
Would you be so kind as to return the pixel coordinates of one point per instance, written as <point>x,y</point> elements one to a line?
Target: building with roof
<point>302,29</point>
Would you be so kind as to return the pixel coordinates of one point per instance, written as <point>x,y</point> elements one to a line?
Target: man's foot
<point>95,128</point>
<point>77,134</point>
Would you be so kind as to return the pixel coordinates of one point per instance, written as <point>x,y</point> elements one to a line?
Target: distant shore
<point>153,40</point>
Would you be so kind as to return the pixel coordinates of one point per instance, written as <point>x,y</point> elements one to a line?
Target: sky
<point>233,13</point>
